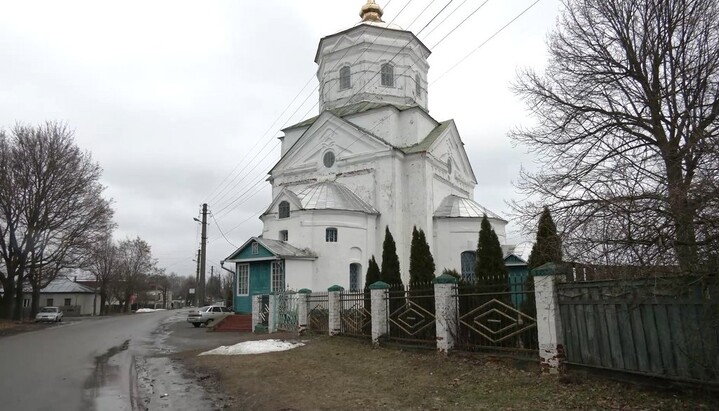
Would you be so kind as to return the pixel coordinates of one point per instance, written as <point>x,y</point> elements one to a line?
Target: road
<point>112,363</point>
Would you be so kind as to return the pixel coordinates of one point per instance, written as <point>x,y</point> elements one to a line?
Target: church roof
<point>460,207</point>
<point>347,110</point>
<point>425,144</point>
<point>329,195</point>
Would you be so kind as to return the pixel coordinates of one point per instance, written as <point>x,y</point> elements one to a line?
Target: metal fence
<point>496,319</point>
<point>355,314</point>
<point>411,314</point>
<point>318,313</point>
<point>658,327</point>
<point>265,310</point>
<point>286,303</point>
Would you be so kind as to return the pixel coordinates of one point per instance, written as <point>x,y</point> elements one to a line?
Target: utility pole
<point>203,248</point>
<point>212,290</point>
<point>197,278</point>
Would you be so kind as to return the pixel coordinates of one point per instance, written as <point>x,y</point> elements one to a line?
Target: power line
<point>220,229</point>
<point>461,23</point>
<point>487,40</point>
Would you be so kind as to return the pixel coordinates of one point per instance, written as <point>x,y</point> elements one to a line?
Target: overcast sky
<point>171,96</point>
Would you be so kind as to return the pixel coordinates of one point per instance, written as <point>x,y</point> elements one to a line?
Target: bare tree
<point>51,209</point>
<point>627,132</point>
<point>103,264</point>
<point>135,265</point>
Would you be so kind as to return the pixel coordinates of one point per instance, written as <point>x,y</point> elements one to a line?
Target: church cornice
<point>370,28</point>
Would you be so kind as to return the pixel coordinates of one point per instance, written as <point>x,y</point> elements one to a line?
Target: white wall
<point>85,301</point>
<point>452,236</point>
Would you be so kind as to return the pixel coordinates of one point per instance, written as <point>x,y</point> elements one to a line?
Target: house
<point>73,298</point>
<point>373,158</point>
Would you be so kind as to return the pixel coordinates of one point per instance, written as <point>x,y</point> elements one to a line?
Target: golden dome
<point>371,12</point>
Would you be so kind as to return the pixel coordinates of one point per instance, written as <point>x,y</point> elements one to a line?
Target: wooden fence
<point>659,327</point>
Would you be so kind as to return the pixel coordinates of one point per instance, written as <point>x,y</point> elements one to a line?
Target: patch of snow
<point>149,310</point>
<point>254,347</point>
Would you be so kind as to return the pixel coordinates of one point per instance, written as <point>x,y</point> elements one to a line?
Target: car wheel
<point>207,324</point>
<point>196,324</point>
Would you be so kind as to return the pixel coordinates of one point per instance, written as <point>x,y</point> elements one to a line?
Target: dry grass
<point>339,373</point>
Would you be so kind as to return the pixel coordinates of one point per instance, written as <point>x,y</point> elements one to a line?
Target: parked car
<point>49,314</point>
<point>207,314</point>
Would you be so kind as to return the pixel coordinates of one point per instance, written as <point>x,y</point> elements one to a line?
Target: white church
<point>373,158</point>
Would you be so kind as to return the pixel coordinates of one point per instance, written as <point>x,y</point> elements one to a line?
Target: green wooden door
<point>259,284</point>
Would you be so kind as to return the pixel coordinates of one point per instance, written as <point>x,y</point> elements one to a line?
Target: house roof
<point>329,195</point>
<point>280,249</point>
<point>454,206</point>
<point>62,285</point>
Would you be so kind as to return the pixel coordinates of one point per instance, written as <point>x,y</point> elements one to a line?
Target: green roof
<point>425,144</point>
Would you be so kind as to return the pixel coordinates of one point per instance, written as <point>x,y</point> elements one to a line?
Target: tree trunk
<point>684,215</point>
<point>35,302</point>
<point>103,303</point>
<point>7,300</point>
<point>17,311</point>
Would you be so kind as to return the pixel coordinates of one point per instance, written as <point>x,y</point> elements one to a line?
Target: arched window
<point>417,85</point>
<point>355,276</point>
<point>331,235</point>
<point>468,260</point>
<point>284,209</point>
<point>387,72</point>
<point>345,78</point>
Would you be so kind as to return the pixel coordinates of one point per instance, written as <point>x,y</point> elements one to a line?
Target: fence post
<point>379,301</point>
<point>549,323</point>
<point>334,306</point>
<point>272,314</point>
<point>256,310</point>
<point>302,309</point>
<point>445,308</point>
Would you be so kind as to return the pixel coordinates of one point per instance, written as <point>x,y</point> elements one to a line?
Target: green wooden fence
<point>658,327</point>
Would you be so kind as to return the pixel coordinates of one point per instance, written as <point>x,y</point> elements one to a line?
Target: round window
<point>329,159</point>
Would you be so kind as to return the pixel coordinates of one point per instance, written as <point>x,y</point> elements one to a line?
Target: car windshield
<point>206,308</point>
<point>48,310</point>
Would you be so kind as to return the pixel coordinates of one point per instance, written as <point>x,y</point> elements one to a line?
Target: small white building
<point>373,158</point>
<point>70,296</point>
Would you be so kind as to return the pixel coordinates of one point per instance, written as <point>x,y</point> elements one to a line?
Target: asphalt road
<point>114,363</point>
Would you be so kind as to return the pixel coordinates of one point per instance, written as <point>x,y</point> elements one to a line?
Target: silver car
<point>207,314</point>
<point>49,314</point>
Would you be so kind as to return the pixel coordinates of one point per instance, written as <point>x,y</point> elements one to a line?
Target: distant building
<point>373,158</point>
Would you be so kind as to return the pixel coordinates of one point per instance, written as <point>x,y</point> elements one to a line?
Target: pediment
<point>450,145</point>
<point>328,133</point>
<point>284,195</point>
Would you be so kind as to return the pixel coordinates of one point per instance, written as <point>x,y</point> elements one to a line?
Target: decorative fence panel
<point>265,310</point>
<point>287,310</point>
<point>318,313</point>
<point>497,321</point>
<point>411,314</point>
<point>355,315</point>
<point>661,327</point>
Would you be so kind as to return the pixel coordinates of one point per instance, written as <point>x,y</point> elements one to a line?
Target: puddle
<point>110,385</point>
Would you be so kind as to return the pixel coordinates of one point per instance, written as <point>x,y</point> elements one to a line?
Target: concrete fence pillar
<point>379,297</point>
<point>445,309</point>
<point>335,305</point>
<point>256,311</point>
<point>272,316</point>
<point>302,309</point>
<point>549,323</point>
